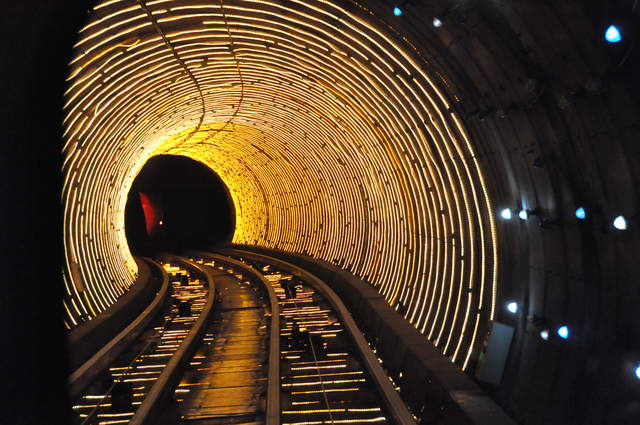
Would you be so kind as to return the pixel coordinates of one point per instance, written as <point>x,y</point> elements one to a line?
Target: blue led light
<point>612,34</point>
<point>638,372</point>
<point>581,213</point>
<point>506,214</point>
<point>563,332</point>
<point>523,214</point>
<point>512,307</point>
<point>397,11</point>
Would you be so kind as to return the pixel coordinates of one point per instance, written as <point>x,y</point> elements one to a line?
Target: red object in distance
<point>152,213</point>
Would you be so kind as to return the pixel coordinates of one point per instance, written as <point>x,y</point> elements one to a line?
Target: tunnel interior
<point>176,204</point>
<point>392,149</point>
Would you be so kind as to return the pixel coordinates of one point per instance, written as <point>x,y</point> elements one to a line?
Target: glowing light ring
<point>338,144</point>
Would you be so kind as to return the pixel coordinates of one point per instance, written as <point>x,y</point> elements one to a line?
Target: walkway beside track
<point>227,378</point>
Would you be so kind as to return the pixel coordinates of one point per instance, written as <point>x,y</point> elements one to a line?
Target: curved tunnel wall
<point>333,135</point>
<point>553,113</point>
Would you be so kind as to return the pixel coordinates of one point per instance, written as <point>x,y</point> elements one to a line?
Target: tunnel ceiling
<point>333,135</point>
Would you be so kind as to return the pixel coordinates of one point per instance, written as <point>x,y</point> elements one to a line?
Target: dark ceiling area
<point>554,114</point>
<point>175,204</point>
<point>553,109</point>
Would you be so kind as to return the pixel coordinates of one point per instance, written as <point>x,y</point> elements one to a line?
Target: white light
<point>612,34</point>
<point>581,213</point>
<point>437,22</point>
<point>638,372</point>
<point>544,334</point>
<point>506,214</point>
<point>397,11</point>
<point>620,223</point>
<point>563,332</point>
<point>512,307</point>
<point>523,214</point>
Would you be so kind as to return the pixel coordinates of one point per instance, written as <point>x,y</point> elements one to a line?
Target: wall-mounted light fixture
<point>506,214</point>
<point>544,334</point>
<point>563,332</point>
<point>612,34</point>
<point>620,223</point>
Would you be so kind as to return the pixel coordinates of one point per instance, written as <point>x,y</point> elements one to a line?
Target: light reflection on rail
<point>117,396</point>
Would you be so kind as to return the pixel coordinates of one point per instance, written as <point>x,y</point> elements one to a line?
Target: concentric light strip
<point>330,134</point>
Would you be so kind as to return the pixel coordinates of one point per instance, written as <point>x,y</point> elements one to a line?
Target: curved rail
<point>391,399</point>
<point>273,389</point>
<point>171,374</point>
<point>82,377</point>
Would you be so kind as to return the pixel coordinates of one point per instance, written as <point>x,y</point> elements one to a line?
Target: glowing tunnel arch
<point>331,136</point>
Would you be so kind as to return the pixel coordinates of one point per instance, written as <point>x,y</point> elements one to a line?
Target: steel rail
<point>82,377</point>
<point>272,414</point>
<point>171,374</point>
<point>400,415</point>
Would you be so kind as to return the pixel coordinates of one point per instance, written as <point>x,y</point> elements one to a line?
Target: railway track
<point>277,347</point>
<point>329,375</point>
<point>232,375</point>
<point>115,397</point>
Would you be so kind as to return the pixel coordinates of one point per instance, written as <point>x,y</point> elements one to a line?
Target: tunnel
<point>366,145</point>
<point>474,162</point>
<point>176,204</point>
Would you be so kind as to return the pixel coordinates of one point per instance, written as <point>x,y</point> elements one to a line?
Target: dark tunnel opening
<point>176,204</point>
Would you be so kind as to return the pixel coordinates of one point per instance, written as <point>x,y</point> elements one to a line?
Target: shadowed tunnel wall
<point>386,145</point>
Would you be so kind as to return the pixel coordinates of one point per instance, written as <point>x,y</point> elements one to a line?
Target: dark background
<point>36,45</point>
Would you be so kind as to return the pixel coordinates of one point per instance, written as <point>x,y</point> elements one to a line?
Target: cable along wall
<point>332,137</point>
